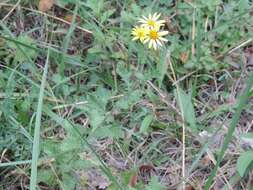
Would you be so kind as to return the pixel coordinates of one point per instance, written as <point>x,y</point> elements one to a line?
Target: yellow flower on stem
<point>155,38</point>
<point>152,21</point>
<point>139,33</point>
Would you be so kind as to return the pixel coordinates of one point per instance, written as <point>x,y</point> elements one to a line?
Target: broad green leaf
<point>113,131</point>
<point>70,142</point>
<point>243,5</point>
<point>82,164</point>
<point>146,123</point>
<point>186,107</point>
<point>162,65</point>
<point>244,162</point>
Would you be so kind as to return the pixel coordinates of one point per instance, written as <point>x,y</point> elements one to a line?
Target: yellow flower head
<point>152,21</point>
<point>155,38</point>
<point>149,31</point>
<point>140,33</point>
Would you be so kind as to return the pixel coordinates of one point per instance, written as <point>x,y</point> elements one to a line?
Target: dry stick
<point>9,13</point>
<point>184,77</point>
<point>48,15</point>
<point>241,45</point>
<point>244,43</point>
<point>212,158</point>
<point>183,122</point>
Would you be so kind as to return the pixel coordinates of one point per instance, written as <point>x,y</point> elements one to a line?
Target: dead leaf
<point>184,57</point>
<point>146,172</point>
<point>45,5</point>
<point>133,180</point>
<point>206,160</point>
<point>94,178</point>
<point>248,52</point>
<point>146,168</point>
<point>189,187</point>
<point>69,18</point>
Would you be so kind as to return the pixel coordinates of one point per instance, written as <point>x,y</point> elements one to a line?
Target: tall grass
<point>242,103</point>
<point>36,138</point>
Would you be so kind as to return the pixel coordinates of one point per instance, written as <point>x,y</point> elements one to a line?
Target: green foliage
<point>22,54</point>
<point>185,103</point>
<point>244,162</point>
<point>246,158</point>
<point>113,100</point>
<point>155,185</point>
<point>146,123</point>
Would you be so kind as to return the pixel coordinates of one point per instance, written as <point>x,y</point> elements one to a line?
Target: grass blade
<point>36,138</point>
<point>242,103</point>
<point>15,163</point>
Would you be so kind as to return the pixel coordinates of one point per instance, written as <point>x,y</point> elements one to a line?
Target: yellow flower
<point>139,33</point>
<point>152,21</point>
<point>155,38</point>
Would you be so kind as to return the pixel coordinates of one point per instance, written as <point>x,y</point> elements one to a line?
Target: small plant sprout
<point>149,31</point>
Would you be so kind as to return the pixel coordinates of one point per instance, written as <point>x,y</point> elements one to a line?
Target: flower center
<point>141,33</point>
<point>151,23</point>
<point>153,34</point>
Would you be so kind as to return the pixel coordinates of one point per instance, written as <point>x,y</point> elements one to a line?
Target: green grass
<point>36,137</point>
<point>241,105</point>
<point>100,111</point>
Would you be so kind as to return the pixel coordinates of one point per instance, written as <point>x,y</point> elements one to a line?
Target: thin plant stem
<point>183,122</point>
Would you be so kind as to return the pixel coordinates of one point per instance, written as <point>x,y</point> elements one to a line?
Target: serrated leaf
<point>69,143</point>
<point>129,99</point>
<point>68,181</point>
<point>47,176</point>
<point>244,162</point>
<point>155,185</point>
